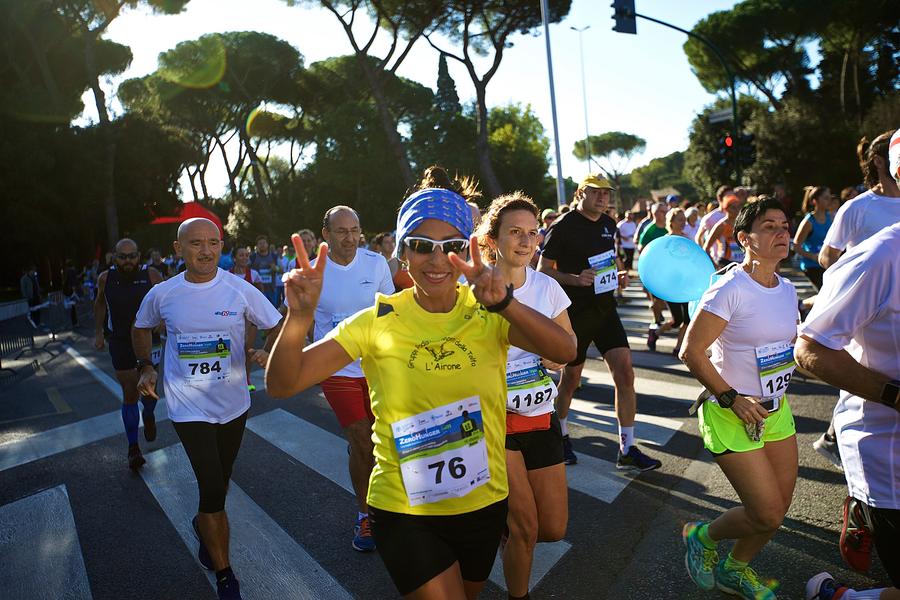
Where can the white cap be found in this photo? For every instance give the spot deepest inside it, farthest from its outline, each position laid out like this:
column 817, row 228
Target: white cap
column 894, row 155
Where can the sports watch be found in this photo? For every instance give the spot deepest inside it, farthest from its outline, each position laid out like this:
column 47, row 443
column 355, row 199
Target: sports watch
column 890, row 394
column 140, row 363
column 726, row 399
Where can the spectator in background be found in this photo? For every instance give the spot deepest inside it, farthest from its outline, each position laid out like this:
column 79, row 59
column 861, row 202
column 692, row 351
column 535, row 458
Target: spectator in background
column 656, row 228
column 673, row 201
column 548, row 215
column 31, row 291
column 692, row 222
column 309, row 242
column 71, row 279
column 848, row 194
column 714, row 214
column 265, row 261
column 817, row 206
column 675, row 222
column 385, row 244
column 626, row 229
column 721, row 245
column 780, row 193
column 158, row 263
column 226, row 260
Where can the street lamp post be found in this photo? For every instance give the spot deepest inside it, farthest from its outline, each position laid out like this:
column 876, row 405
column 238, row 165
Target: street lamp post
column 560, row 186
column 587, row 135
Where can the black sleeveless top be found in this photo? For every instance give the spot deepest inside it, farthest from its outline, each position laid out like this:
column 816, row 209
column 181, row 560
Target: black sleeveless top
column 123, row 299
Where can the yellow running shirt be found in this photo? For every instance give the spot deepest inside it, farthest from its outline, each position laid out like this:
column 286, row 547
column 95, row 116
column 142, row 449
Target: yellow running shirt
column 437, row 382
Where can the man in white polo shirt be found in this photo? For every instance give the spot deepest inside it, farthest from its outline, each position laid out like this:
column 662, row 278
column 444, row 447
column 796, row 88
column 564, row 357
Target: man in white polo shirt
column 850, row 339
column 204, row 309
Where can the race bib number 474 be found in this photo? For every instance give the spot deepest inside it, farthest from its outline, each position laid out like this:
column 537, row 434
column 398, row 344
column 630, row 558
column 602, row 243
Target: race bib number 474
column 442, row 452
column 205, row 358
column 606, row 279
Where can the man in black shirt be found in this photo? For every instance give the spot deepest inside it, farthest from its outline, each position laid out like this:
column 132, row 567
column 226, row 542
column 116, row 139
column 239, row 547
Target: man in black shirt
column 579, row 253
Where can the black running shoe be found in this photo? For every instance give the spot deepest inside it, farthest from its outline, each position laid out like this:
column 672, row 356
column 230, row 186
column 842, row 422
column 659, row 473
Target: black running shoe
column 570, row 458
column 135, row 458
column 636, row 460
column 228, row 588
column 203, row 554
column 149, row 426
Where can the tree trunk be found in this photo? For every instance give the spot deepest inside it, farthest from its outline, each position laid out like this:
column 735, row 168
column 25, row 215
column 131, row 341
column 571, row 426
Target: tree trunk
column 395, row 142
column 107, row 172
column 482, row 148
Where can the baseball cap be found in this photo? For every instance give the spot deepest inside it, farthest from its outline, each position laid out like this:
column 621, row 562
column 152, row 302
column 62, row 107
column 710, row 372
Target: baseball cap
column 728, row 200
column 672, row 198
column 548, row 212
column 596, row 181
column 894, row 155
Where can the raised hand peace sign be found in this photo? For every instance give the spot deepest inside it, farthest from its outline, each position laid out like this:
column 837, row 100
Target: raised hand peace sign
column 488, row 283
column 303, row 286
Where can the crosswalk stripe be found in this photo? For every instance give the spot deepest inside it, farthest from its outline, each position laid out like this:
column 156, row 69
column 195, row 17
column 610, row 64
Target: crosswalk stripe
column 105, row 380
column 649, row 428
column 316, row 448
column 39, row 549
column 649, row 387
column 546, row 555
column 326, row 454
column 597, row 478
column 266, row 559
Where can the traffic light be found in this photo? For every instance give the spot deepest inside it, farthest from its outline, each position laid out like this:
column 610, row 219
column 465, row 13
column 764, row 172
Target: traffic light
column 725, row 150
column 747, row 154
column 624, row 16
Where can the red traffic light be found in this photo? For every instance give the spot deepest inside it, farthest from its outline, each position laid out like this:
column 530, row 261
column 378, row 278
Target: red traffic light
column 729, row 141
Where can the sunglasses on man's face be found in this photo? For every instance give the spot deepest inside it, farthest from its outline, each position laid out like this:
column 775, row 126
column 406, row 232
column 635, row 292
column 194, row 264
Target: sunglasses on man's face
column 127, row 256
column 421, row 245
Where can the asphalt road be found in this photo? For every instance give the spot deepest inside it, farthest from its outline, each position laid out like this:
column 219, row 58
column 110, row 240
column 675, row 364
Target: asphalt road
column 74, row 520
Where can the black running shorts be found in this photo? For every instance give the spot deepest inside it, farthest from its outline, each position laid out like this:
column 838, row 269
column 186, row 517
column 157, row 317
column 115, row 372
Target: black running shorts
column 886, row 531
column 541, row 448
column 599, row 325
column 122, row 354
column 416, row 549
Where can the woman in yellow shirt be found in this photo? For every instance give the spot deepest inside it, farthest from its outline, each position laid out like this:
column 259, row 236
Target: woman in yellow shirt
column 434, row 356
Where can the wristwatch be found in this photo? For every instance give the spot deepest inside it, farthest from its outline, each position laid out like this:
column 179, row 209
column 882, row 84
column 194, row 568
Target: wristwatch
column 890, row 394
column 141, row 363
column 726, row 399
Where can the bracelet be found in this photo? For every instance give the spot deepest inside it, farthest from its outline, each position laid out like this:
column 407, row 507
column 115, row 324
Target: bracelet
column 503, row 303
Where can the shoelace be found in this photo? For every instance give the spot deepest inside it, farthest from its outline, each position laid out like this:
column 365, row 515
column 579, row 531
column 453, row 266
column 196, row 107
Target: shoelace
column 365, row 529
column 710, row 559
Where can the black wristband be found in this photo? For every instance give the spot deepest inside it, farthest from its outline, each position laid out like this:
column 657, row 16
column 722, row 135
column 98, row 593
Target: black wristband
column 142, row 362
column 503, row 303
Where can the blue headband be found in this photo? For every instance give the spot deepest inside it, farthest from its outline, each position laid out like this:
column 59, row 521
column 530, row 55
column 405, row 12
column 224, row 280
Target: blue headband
column 433, row 203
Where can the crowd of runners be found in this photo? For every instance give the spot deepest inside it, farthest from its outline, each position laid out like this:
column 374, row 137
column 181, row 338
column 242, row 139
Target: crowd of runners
column 450, row 350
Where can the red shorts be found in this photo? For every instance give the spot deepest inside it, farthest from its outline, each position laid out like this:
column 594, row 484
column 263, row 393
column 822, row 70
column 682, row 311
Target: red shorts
column 349, row 399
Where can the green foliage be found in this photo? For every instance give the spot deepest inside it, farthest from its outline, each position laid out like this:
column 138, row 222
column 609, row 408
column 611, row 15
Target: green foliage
column 667, row 171
column 519, row 149
column 613, row 150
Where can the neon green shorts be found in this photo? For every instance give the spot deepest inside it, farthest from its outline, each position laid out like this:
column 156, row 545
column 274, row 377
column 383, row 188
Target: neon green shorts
column 722, row 430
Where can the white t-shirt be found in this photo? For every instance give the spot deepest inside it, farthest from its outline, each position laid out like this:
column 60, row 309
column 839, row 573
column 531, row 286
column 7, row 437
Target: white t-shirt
column 858, row 310
column 626, row 232
column 861, row 218
column 254, row 276
column 543, row 294
column 204, row 377
column 708, row 222
column 757, row 317
column 346, row 290
column 691, row 230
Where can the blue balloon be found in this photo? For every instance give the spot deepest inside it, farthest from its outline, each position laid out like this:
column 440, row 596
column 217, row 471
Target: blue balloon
column 675, row 269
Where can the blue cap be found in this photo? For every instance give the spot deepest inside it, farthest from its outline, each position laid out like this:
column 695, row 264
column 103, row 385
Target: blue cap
column 671, row 198
column 433, row 203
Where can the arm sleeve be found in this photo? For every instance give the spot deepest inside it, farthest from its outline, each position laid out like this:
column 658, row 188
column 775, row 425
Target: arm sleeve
column 259, row 310
column 855, row 291
column 386, row 282
column 148, row 314
column 842, row 228
column 353, row 332
column 720, row 300
column 558, row 298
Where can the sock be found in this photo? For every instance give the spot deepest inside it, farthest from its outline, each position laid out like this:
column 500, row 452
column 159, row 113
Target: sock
column 131, row 419
column 703, row 536
column 225, row 573
column 564, row 426
column 149, row 405
column 360, row 516
column 733, row 564
column 626, row 438
column 862, row 594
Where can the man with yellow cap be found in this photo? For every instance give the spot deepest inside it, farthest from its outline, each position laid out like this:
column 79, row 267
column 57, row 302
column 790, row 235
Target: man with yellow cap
column 580, row 253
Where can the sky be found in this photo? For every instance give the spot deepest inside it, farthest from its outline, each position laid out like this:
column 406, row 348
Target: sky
column 640, row 84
